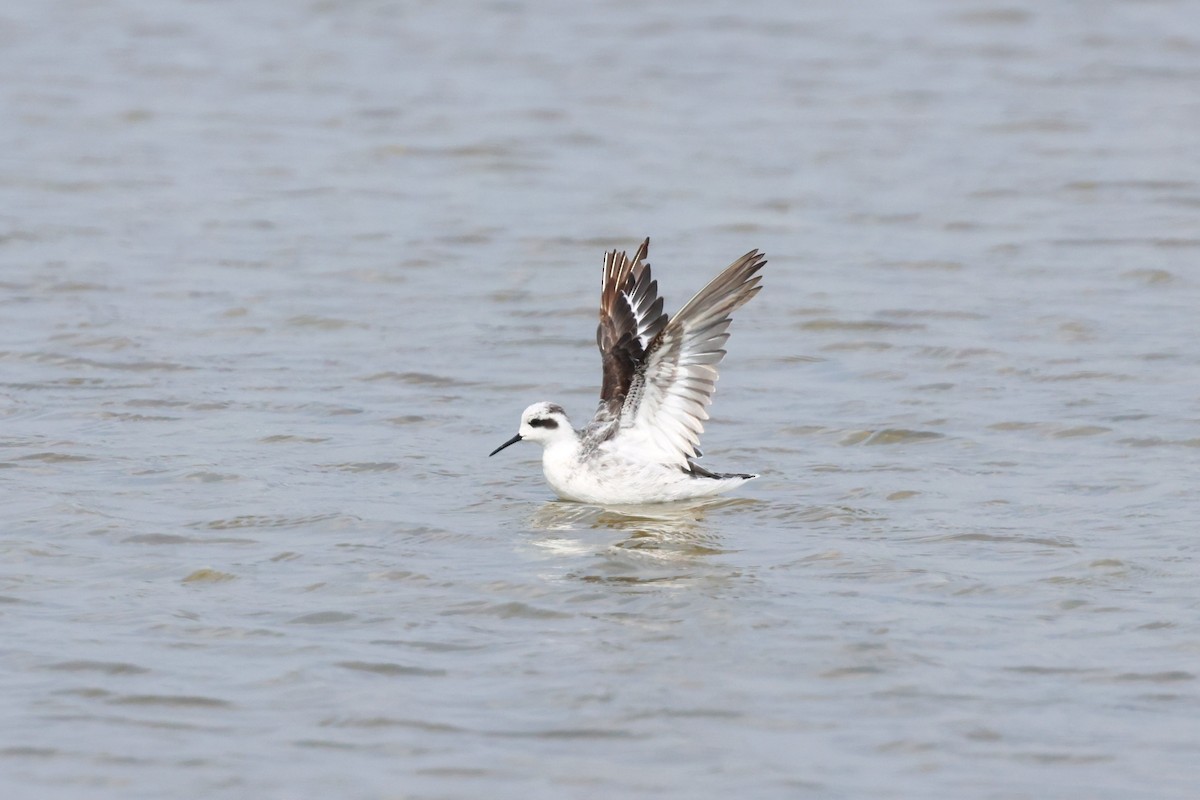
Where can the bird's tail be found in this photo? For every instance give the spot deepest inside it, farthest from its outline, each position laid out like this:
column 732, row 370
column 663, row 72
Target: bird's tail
column 701, row 472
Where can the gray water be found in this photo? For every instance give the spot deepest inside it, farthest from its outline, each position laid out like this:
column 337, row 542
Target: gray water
column 275, row 277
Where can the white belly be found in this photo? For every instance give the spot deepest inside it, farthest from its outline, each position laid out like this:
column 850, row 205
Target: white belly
column 606, row 479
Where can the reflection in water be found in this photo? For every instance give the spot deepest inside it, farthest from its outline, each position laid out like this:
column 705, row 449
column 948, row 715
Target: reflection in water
column 667, row 530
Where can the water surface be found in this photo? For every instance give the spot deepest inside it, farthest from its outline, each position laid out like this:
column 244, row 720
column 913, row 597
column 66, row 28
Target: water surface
column 274, row 278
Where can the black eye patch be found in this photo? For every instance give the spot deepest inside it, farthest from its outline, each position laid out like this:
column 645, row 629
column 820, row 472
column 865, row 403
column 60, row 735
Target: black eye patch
column 549, row 424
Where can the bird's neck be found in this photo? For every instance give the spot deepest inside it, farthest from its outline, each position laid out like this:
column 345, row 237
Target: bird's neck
column 562, row 448
column 560, row 463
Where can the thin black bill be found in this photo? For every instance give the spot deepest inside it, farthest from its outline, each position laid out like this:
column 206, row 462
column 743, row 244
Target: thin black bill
column 513, row 440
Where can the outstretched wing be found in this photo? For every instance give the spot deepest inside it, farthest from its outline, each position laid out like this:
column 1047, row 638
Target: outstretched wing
column 631, row 316
column 664, row 409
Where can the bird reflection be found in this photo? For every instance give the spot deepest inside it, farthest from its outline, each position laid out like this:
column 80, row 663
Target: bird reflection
column 666, row 530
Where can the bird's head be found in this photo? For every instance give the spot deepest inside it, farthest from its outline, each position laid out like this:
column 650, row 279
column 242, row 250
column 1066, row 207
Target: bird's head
column 543, row 423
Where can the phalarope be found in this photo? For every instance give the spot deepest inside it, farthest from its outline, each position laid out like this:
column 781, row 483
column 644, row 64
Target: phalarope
column 659, row 374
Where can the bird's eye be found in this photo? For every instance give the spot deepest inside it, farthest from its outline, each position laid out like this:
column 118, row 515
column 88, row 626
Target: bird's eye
column 543, row 423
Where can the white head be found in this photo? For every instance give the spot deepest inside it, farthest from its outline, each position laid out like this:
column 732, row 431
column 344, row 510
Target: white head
column 544, row 423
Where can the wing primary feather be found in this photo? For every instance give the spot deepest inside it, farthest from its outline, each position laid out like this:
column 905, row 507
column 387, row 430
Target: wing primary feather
column 631, row 317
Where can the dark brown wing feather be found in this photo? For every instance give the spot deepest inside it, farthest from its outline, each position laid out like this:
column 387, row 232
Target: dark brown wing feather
column 631, row 316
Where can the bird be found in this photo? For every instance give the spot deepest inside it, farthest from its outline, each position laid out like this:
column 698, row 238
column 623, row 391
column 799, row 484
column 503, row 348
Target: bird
column 659, row 375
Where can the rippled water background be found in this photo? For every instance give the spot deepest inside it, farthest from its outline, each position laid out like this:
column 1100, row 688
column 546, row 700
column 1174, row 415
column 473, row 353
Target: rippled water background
column 275, row 277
